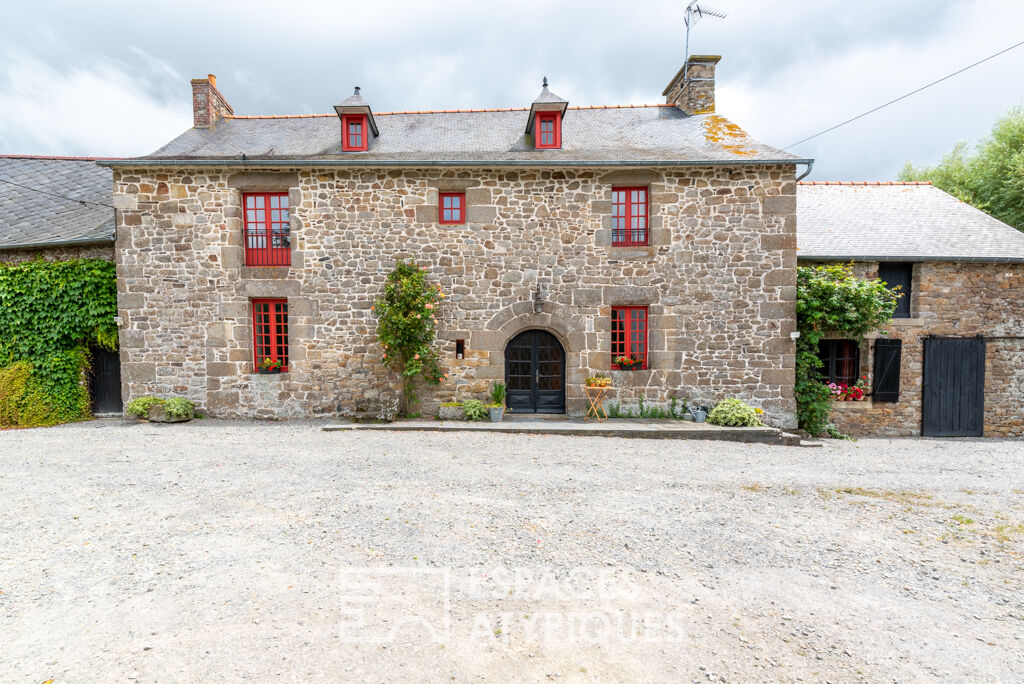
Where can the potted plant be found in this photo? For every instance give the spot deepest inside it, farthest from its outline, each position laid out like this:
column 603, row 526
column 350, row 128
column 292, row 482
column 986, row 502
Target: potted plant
column 629, row 362
column 268, row 366
column 497, row 409
column 857, row 391
column 599, row 381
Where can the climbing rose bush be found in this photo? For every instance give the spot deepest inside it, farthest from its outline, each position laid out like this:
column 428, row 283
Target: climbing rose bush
column 407, row 328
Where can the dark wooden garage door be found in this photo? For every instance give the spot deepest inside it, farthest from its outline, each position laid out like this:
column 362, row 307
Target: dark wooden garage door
column 535, row 373
column 954, row 387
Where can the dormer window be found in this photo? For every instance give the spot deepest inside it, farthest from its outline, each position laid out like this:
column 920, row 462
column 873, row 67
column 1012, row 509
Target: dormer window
column 545, row 120
column 357, row 124
column 548, row 130
column 354, row 136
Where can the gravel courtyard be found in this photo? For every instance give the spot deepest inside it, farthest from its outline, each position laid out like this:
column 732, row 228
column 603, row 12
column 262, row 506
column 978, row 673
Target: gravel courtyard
column 223, row 551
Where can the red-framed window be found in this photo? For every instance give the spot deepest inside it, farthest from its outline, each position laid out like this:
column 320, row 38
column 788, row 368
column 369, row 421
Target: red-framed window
column 547, row 130
column 629, row 333
column 354, row 136
column 629, row 217
column 451, row 207
column 270, row 331
column 267, row 229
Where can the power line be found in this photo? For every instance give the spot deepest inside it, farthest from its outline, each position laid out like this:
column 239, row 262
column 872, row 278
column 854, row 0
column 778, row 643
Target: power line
column 903, row 97
column 54, row 194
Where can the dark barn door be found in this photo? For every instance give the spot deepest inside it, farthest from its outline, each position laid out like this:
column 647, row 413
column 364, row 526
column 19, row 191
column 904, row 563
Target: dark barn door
column 105, row 382
column 954, row 387
column 535, row 373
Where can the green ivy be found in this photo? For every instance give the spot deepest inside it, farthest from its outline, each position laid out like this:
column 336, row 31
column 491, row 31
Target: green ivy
column 407, row 327
column 52, row 312
column 831, row 302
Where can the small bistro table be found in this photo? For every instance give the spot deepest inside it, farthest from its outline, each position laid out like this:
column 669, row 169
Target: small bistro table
column 596, row 395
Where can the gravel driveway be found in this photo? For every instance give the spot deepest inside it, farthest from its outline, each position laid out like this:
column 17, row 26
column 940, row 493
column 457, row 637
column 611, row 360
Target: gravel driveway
column 219, row 551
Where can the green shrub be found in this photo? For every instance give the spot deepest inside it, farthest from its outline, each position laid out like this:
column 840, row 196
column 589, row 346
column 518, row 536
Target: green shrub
column 498, row 393
column 734, row 412
column 14, row 382
column 179, row 407
column 473, row 409
column 140, row 406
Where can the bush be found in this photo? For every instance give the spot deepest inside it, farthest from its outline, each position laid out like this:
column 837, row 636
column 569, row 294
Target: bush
column 179, row 407
column 735, row 413
column 474, row 409
column 140, row 406
column 14, row 381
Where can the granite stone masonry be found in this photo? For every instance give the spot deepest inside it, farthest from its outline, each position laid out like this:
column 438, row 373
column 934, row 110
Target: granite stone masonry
column 950, row 299
column 718, row 278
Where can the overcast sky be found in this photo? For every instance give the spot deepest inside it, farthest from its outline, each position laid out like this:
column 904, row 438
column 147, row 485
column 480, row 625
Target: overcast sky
column 108, row 78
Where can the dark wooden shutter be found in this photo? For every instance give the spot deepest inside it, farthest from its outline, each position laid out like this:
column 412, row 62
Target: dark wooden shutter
column 900, row 275
column 886, row 386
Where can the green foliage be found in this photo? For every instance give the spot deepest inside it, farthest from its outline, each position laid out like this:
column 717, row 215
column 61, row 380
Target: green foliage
column 990, row 177
column 831, row 301
column 14, row 382
column 179, row 407
column 407, row 326
column 474, row 409
column 734, row 412
column 52, row 311
column 140, row 405
column 498, row 393
column 645, row 410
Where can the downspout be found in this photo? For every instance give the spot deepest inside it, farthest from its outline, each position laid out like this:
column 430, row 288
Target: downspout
column 810, row 165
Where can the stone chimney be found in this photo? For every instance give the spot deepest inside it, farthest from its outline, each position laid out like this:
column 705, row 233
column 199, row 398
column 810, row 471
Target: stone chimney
column 693, row 88
column 208, row 104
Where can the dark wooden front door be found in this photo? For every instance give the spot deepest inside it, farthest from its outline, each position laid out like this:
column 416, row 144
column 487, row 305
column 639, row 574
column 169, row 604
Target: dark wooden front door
column 105, row 382
column 953, row 404
column 535, row 373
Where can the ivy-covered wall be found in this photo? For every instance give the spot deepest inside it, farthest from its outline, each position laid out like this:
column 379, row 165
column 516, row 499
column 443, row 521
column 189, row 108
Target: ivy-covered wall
column 50, row 312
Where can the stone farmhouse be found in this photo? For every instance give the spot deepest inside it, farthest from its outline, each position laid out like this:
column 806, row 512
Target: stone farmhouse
column 952, row 363
column 563, row 236
column 59, row 208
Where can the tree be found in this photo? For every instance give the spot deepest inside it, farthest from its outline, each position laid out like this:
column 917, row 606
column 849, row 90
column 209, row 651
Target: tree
column 406, row 327
column 989, row 177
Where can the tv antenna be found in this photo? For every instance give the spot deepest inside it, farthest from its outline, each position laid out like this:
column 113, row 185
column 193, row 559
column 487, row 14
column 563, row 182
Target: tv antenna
column 694, row 13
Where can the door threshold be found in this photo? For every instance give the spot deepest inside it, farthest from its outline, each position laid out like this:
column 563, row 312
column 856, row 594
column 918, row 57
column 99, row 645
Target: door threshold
column 536, row 416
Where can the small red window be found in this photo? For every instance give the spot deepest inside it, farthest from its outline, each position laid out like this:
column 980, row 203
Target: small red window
column 270, row 331
column 629, row 217
column 548, row 130
column 353, row 133
column 629, row 334
column 267, row 229
column 451, row 207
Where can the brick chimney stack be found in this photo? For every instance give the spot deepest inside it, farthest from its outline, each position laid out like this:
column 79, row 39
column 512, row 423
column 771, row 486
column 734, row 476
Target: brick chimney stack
column 693, row 87
column 208, row 104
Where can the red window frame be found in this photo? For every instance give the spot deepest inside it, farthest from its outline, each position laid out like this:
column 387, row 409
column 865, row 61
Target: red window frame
column 629, row 323
column 547, row 130
column 630, row 217
column 455, row 212
column 270, row 331
column 267, row 229
column 355, row 137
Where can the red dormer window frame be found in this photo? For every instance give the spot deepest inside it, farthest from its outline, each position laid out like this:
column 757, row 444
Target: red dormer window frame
column 547, row 131
column 354, row 140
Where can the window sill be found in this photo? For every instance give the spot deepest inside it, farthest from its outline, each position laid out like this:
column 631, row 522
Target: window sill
column 265, row 272
column 853, row 405
column 906, row 322
column 635, row 253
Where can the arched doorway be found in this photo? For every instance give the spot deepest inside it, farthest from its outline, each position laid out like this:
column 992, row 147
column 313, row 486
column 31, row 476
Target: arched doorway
column 535, row 373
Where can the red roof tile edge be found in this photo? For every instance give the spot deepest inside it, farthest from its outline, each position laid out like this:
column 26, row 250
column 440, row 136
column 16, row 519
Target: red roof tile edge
column 440, row 111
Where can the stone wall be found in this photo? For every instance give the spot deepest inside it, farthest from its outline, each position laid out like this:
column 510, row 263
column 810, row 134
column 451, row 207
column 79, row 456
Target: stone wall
column 64, row 253
column 719, row 280
column 950, row 299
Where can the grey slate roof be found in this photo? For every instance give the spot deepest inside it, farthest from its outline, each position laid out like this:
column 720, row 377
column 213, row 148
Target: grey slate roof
column 39, row 214
column 897, row 222
column 654, row 135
